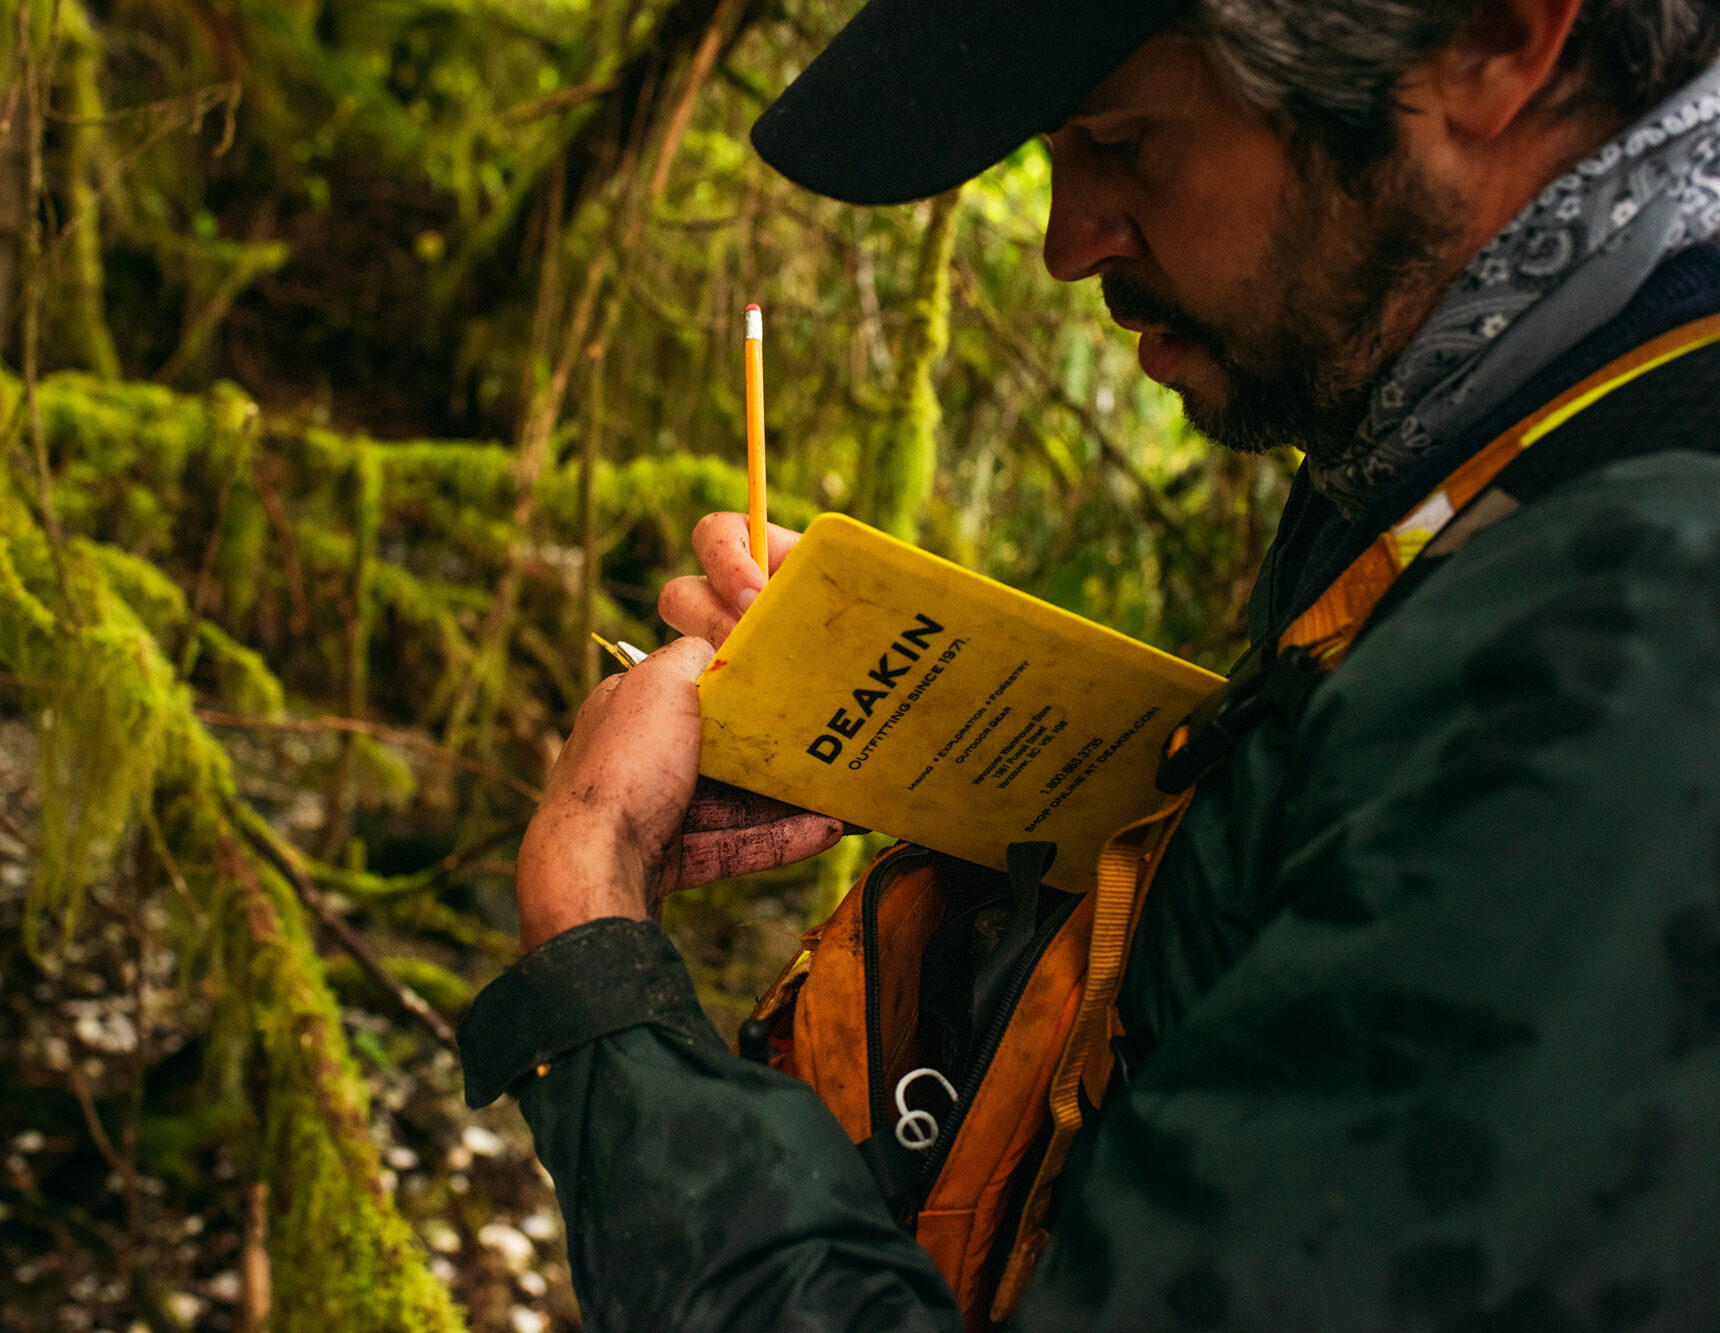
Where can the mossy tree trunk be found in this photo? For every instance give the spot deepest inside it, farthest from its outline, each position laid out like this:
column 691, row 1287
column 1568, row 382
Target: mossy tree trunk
column 901, row 465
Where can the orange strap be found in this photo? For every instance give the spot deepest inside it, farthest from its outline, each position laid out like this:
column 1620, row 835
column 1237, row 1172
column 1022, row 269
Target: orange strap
column 1126, row 866
column 1327, row 628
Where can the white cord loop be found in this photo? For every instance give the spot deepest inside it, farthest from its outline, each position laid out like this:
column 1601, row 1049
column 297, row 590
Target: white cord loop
column 918, row 1130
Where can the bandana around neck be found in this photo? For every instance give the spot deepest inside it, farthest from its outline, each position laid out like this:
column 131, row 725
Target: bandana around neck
column 1565, row 265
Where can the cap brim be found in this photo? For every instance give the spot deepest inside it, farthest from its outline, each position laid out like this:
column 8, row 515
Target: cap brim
column 914, row 97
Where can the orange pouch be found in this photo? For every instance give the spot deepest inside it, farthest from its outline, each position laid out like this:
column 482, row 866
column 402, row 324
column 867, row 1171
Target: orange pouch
column 937, row 977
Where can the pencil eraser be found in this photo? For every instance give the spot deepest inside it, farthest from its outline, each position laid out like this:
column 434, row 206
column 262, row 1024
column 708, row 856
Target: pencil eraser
column 755, row 322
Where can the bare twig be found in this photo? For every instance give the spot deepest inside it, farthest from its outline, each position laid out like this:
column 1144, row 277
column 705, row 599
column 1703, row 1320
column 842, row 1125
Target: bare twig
column 207, row 97
column 455, row 862
column 35, row 99
column 169, row 863
column 93, row 1121
column 174, row 114
column 561, row 100
column 12, row 831
column 254, row 1270
column 264, row 475
column 697, row 72
column 392, row 735
column 285, row 860
column 1049, row 383
column 141, row 949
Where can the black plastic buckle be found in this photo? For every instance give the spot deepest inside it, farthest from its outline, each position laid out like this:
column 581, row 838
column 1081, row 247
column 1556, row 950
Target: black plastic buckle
column 1263, row 680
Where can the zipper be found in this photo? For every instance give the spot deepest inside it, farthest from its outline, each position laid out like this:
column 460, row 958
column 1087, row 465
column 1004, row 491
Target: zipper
column 980, row 1062
column 871, row 889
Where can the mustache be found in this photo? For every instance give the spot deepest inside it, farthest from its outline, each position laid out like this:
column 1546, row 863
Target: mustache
column 1129, row 300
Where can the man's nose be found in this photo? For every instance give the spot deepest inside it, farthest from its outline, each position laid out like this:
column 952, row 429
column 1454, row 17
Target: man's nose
column 1090, row 224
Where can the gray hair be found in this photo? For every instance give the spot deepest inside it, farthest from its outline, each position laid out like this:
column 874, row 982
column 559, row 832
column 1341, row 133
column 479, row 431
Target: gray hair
column 1332, row 68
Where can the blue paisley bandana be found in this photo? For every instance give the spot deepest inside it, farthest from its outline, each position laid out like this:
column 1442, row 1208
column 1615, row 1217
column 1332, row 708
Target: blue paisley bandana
column 1565, row 265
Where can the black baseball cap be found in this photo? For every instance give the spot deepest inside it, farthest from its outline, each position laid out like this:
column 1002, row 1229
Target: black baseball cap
column 914, row 97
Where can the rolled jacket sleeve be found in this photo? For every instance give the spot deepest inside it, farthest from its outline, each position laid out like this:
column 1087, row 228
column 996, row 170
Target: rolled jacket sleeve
column 582, row 985
column 701, row 1191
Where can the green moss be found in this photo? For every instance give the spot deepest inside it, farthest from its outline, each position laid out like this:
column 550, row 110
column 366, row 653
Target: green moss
column 373, row 565
column 244, row 682
column 901, row 466
column 444, row 991
column 119, row 739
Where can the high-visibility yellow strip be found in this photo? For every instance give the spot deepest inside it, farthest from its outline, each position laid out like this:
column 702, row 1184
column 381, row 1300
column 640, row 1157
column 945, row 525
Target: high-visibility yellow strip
column 1556, row 419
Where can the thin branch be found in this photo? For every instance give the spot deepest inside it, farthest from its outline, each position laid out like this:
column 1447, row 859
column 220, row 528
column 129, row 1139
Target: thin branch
column 392, row 735
column 455, row 862
column 697, row 72
column 93, row 1121
column 208, row 97
column 184, row 112
column 1109, row 449
column 284, row 860
column 264, row 474
column 12, row 831
column 254, row 1269
column 539, row 107
column 35, row 99
column 164, row 854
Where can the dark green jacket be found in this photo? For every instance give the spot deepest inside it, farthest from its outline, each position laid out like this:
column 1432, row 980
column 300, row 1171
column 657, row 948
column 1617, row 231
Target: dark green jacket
column 1423, row 1016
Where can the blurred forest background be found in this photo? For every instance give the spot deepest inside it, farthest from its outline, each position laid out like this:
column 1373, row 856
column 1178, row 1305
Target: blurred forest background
column 357, row 358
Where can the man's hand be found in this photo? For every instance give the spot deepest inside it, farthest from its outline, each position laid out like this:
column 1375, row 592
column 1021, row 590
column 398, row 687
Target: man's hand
column 708, row 607
column 626, row 820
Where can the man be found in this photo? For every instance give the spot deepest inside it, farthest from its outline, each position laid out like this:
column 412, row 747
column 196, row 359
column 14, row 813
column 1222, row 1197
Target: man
column 1422, row 1018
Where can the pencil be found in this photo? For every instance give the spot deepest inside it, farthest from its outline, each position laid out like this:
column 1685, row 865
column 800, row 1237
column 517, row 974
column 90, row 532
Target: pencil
column 623, row 652
column 757, row 541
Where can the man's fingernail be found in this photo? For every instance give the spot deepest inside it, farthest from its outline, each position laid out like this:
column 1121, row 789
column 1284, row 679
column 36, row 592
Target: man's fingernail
column 746, row 597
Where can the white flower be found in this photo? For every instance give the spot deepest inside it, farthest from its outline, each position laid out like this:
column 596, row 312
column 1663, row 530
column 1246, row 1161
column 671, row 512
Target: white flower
column 1492, row 326
column 1495, row 271
column 1623, row 211
column 1569, row 209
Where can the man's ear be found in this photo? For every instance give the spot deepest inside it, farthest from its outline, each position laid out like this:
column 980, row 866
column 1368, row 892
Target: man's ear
column 1500, row 62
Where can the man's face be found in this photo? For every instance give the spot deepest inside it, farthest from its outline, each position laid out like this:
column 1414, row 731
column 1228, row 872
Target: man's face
column 1266, row 294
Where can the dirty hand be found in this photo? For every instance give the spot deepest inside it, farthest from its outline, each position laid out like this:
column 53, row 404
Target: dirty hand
column 626, row 820
column 709, row 606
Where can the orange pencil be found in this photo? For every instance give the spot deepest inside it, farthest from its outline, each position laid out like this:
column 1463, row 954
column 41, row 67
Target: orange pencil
column 757, row 541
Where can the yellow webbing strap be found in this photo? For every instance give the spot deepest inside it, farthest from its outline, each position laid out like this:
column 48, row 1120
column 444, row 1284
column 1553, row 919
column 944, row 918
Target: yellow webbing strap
column 1126, row 865
column 1329, row 626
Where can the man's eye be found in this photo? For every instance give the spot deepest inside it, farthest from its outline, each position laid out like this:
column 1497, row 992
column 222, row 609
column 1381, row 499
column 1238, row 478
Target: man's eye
column 1125, row 145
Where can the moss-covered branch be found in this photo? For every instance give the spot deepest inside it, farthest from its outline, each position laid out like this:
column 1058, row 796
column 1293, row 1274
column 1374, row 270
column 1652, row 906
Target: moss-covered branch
column 902, row 463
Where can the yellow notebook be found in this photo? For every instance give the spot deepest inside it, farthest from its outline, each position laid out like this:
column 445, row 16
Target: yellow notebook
column 892, row 689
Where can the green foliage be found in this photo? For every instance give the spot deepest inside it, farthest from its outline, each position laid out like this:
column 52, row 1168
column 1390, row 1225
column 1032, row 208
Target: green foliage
column 120, row 741
column 338, row 293
column 900, row 470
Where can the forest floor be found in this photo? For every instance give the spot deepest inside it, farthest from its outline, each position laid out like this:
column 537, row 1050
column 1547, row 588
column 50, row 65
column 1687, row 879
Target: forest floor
column 143, row 1229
